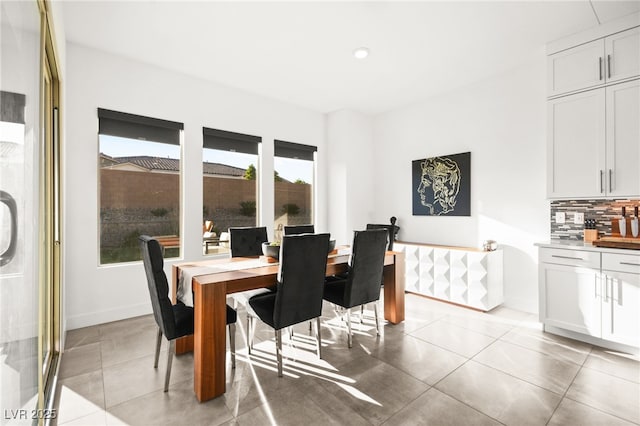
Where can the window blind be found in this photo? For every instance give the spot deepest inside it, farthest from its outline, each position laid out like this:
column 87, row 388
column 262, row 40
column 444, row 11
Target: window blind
column 230, row 141
column 121, row 124
column 294, row 150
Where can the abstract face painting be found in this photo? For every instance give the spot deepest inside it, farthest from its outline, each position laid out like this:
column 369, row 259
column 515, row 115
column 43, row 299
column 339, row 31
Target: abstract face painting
column 441, row 185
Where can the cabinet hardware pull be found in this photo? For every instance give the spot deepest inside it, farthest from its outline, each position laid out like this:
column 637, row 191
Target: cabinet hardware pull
column 566, row 257
column 606, row 290
column 595, row 286
column 600, row 67
column 601, row 184
column 610, row 180
column 608, row 66
column 630, row 263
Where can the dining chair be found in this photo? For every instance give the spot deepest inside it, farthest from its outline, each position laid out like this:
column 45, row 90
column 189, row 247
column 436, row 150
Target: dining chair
column 299, row 288
column 361, row 285
column 299, row 229
column 247, row 241
column 173, row 320
column 391, row 232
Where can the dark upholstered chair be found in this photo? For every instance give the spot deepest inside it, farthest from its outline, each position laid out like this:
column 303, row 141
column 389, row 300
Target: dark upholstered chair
column 298, row 298
column 390, row 232
column 247, row 241
column 173, row 320
column 362, row 282
column 299, row 229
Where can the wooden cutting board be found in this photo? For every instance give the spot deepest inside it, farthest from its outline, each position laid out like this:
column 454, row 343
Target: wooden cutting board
column 618, row 242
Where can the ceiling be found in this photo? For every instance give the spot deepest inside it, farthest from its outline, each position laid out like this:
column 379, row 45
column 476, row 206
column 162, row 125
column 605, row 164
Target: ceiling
column 301, row 52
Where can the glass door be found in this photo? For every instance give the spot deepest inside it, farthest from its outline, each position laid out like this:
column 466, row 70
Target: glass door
column 50, row 218
column 29, row 212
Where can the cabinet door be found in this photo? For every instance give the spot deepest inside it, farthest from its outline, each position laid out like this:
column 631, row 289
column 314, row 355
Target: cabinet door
column 570, row 298
column 578, row 68
column 623, row 139
column 575, row 145
column 621, row 308
column 623, row 55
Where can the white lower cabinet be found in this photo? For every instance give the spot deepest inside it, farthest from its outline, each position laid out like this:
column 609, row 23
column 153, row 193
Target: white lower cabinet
column 571, row 298
column 591, row 293
column 465, row 276
column 621, row 299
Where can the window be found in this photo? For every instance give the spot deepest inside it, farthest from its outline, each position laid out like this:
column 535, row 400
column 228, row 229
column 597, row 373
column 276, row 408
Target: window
column 139, row 184
column 293, row 198
column 229, row 195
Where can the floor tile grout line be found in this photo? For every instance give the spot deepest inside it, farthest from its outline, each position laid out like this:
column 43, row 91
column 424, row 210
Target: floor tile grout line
column 460, row 401
column 569, row 387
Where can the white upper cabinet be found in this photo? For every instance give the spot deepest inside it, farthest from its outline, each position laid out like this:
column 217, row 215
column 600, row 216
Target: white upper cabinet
column 593, row 143
column 606, row 60
column 593, row 119
column 623, row 55
column 578, row 68
column 623, row 139
column 576, row 145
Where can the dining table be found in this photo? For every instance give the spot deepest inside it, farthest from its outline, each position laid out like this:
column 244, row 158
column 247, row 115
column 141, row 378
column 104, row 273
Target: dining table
column 212, row 280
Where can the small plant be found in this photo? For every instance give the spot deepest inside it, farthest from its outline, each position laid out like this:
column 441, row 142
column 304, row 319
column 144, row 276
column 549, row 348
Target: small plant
column 291, row 209
column 248, row 208
column 159, row 212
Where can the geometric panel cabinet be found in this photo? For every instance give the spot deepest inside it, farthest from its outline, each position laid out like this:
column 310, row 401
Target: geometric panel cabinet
column 464, row 276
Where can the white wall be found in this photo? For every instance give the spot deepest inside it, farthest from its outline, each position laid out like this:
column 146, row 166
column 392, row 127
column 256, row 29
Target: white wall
column 95, row 79
column 502, row 122
column 351, row 173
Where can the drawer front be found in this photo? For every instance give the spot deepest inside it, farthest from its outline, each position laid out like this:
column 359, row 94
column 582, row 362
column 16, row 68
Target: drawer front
column 621, row 262
column 581, row 258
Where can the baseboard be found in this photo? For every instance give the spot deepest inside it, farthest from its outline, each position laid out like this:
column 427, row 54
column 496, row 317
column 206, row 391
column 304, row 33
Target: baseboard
column 592, row 340
column 101, row 317
column 521, row 304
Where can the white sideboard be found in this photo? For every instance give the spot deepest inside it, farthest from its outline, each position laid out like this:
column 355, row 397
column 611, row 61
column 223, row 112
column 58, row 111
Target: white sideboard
column 461, row 275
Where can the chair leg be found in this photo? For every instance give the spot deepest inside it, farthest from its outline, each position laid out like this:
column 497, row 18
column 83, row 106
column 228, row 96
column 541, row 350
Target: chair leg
column 361, row 314
column 318, row 337
column 172, row 347
column 290, row 332
column 350, row 335
column 249, row 334
column 158, row 343
column 232, row 344
column 279, row 351
column 375, row 312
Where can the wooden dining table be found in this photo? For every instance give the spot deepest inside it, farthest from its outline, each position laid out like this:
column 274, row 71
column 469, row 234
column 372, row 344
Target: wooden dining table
column 210, row 291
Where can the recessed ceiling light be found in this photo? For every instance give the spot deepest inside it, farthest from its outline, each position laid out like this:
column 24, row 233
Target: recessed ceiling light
column 361, row 53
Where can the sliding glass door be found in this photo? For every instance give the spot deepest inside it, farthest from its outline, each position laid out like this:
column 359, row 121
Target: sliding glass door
column 29, row 211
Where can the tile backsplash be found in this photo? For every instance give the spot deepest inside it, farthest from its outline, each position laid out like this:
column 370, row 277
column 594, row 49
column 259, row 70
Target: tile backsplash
column 600, row 210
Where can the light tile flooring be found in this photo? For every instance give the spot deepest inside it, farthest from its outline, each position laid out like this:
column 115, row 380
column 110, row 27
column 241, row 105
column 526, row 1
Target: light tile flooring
column 444, row 365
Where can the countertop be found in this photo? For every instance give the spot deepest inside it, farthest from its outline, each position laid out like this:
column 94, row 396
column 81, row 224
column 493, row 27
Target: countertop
column 581, row 245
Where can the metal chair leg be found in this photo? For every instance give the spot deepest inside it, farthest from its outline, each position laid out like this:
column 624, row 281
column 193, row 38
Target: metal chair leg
column 361, row 314
column 232, row 344
column 172, row 347
column 375, row 312
column 279, row 351
column 318, row 337
column 350, row 336
column 158, row 343
column 249, row 334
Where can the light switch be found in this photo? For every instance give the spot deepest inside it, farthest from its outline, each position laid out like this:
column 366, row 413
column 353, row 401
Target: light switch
column 560, row 217
column 578, row 218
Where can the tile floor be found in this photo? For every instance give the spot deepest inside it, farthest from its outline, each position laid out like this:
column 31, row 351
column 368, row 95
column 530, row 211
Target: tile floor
column 444, row 365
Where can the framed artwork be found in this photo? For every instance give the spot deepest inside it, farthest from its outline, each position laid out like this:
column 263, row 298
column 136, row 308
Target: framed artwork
column 441, row 186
